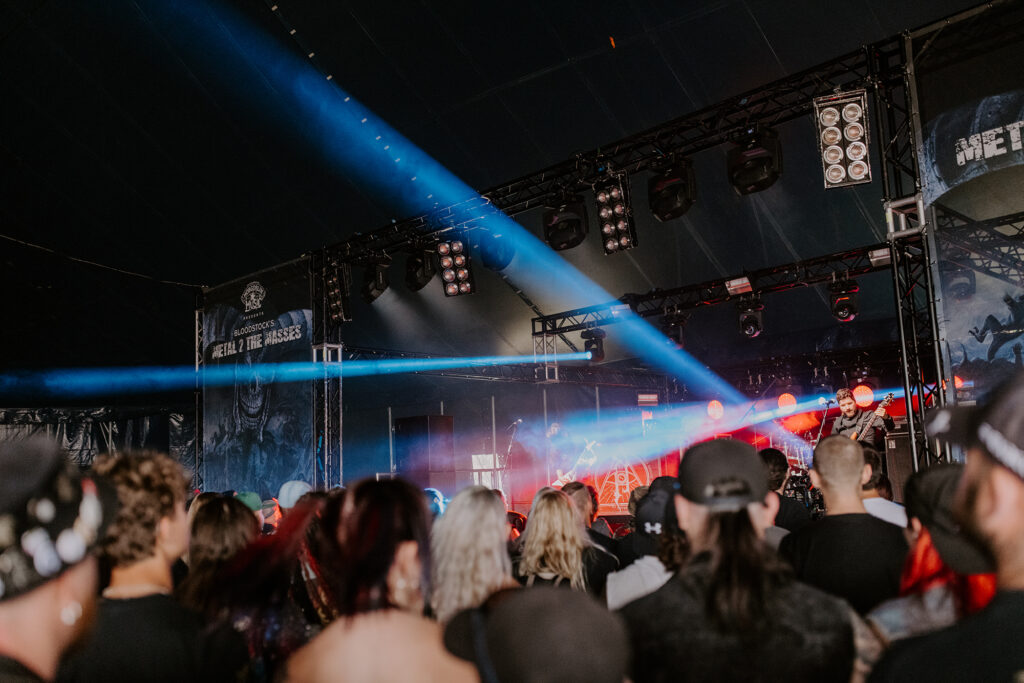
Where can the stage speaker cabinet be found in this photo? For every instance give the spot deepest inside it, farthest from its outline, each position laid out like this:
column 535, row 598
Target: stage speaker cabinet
column 425, row 451
column 899, row 463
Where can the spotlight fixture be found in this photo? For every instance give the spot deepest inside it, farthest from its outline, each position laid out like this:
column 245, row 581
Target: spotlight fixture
column 375, row 281
column 338, row 288
column 672, row 190
column 615, row 215
column 754, row 162
column 843, row 298
column 565, row 225
column 593, row 341
column 456, row 274
column 673, row 325
column 863, row 395
column 419, row 270
column 842, row 126
column 751, row 317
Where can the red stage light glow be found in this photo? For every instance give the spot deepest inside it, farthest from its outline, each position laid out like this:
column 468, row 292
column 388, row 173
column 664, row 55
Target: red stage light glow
column 958, row 382
column 715, row 410
column 787, row 400
column 863, row 395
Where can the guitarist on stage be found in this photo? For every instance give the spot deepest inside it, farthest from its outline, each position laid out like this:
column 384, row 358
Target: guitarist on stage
column 852, row 416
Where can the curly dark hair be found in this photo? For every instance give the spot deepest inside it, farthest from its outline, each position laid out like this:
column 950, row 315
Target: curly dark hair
column 149, row 486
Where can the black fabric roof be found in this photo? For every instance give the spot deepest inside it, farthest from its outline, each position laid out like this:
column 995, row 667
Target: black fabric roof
column 118, row 147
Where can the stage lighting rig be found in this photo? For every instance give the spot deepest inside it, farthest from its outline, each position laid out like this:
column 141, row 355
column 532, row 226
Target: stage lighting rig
column 843, row 298
column 842, row 125
column 456, row 273
column 495, row 250
column 593, row 341
column 754, row 162
column 338, row 289
column 614, row 214
column 376, row 280
column 751, row 317
column 565, row 224
column 672, row 190
column 673, row 325
column 419, row 269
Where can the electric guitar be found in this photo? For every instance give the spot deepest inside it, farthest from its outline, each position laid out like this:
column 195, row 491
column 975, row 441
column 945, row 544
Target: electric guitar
column 865, row 420
column 586, row 460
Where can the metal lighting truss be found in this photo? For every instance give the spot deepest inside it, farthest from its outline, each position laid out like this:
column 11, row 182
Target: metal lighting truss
column 764, row 281
column 327, row 422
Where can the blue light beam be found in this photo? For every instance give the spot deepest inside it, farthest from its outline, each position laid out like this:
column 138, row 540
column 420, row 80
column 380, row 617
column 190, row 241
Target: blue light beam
column 77, row 382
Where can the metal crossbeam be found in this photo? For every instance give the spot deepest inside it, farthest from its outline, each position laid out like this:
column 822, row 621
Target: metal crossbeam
column 849, row 263
column 783, row 100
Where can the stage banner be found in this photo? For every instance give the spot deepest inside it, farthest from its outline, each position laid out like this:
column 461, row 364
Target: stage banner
column 970, row 141
column 258, row 433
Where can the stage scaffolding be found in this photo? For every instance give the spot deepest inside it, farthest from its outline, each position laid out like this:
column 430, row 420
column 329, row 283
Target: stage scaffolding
column 887, row 70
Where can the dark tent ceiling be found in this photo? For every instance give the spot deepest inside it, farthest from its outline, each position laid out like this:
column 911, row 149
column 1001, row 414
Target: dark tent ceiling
column 121, row 146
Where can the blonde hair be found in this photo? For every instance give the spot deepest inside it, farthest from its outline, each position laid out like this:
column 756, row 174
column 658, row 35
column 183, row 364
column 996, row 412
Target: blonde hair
column 554, row 539
column 470, row 556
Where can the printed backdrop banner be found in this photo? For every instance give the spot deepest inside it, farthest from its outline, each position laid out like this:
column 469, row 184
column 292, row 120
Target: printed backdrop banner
column 258, row 434
column 970, row 141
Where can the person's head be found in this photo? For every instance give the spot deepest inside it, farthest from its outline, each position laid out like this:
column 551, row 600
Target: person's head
column 542, row 634
column 435, row 502
column 151, row 520
column 221, row 528
column 290, row 493
column 847, row 404
column 929, row 498
column 554, row 538
column 777, row 465
column 501, row 496
column 252, row 500
column 884, row 488
column 839, row 469
column 724, row 505
column 635, row 496
column 873, row 460
column 655, row 517
column 990, row 496
column 468, row 547
column 51, row 518
column 383, row 544
column 581, row 498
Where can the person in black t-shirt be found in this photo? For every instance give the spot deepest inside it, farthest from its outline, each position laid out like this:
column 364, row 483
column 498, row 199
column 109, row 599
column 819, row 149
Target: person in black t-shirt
column 846, row 424
column 142, row 633
column 990, row 507
column 792, row 513
column 849, row 553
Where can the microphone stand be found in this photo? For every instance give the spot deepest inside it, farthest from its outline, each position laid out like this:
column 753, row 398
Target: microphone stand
column 823, row 416
column 508, row 451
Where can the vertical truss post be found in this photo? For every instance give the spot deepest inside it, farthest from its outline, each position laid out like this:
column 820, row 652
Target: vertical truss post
column 545, row 348
column 199, row 469
column 913, row 265
column 327, row 454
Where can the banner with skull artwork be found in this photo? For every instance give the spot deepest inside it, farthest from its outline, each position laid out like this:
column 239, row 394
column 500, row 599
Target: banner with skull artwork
column 258, row 433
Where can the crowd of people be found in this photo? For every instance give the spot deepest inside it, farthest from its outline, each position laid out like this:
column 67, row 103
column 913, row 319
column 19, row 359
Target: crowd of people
column 118, row 574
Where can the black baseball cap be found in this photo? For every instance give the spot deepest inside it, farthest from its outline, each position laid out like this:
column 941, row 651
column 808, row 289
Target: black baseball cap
column 724, row 474
column 996, row 425
column 928, row 496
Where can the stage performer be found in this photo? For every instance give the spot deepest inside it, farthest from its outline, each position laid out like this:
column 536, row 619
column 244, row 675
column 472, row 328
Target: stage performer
column 846, row 424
